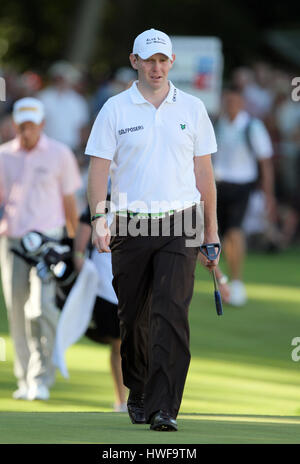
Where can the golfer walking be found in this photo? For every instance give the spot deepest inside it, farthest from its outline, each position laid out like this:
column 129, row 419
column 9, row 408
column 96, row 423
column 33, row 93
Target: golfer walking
column 38, row 180
column 156, row 142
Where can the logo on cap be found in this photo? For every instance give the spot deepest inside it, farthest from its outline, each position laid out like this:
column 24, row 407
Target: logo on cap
column 160, row 40
column 27, row 108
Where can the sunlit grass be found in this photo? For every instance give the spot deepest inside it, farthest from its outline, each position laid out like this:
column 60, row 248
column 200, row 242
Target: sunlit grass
column 241, row 371
column 256, row 291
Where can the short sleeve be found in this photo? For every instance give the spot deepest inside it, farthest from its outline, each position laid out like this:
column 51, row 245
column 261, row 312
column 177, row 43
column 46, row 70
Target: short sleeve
column 102, row 140
column 70, row 174
column 205, row 139
column 260, row 139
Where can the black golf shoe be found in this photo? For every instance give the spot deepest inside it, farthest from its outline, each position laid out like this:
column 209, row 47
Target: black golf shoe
column 162, row 421
column 135, row 407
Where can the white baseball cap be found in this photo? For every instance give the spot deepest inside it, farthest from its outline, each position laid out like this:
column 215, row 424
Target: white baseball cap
column 150, row 42
column 66, row 71
column 28, row 109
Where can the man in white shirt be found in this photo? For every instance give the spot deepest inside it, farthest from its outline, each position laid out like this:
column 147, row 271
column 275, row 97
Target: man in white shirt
column 245, row 150
column 67, row 111
column 155, row 141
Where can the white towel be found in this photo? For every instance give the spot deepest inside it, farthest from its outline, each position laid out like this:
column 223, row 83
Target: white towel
column 103, row 264
column 76, row 313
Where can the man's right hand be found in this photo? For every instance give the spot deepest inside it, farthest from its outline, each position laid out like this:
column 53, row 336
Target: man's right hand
column 101, row 235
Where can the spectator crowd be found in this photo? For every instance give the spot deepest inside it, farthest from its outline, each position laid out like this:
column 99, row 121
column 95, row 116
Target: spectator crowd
column 70, row 106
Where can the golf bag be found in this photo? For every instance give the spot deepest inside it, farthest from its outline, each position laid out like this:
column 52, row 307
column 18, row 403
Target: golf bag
column 52, row 258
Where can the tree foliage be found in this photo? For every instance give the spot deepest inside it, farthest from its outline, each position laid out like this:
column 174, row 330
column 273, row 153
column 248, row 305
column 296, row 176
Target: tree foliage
column 34, row 33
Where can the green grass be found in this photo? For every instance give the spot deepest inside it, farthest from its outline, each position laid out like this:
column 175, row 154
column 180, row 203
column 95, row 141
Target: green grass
column 242, row 386
column 101, row 427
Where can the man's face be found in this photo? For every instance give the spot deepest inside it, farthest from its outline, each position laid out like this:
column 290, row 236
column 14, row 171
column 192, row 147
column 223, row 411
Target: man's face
column 152, row 72
column 233, row 103
column 29, row 134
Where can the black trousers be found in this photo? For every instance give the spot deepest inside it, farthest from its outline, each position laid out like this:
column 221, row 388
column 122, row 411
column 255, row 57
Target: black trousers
column 154, row 280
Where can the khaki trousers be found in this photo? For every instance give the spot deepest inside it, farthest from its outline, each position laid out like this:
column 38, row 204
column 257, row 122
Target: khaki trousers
column 32, row 317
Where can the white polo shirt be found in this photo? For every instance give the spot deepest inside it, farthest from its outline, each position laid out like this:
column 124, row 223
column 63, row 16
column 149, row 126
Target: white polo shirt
column 152, row 149
column 234, row 161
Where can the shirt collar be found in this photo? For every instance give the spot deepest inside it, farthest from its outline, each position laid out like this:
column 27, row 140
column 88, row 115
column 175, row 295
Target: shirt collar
column 137, row 98
column 172, row 95
column 240, row 120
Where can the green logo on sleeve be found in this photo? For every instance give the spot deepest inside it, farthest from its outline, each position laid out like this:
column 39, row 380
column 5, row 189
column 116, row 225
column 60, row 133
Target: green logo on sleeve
column 183, row 126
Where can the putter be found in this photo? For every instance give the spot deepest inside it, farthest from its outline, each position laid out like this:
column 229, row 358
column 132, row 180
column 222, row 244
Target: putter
column 208, row 250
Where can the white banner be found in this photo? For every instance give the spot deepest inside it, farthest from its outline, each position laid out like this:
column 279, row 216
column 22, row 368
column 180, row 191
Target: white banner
column 198, row 69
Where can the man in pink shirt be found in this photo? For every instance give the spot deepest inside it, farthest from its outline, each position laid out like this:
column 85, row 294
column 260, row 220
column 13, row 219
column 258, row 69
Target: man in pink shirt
column 38, row 180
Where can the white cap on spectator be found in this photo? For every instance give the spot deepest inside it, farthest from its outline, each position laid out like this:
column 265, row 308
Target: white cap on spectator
column 150, row 42
column 28, row 109
column 66, row 71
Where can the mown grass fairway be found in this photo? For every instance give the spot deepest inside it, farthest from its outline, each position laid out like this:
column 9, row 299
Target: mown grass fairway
column 242, row 386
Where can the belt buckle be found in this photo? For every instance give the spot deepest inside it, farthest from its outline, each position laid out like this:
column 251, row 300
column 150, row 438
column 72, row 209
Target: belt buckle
column 161, row 215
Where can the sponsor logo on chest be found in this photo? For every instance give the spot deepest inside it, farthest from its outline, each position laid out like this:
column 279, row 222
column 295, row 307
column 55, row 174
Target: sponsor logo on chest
column 130, row 129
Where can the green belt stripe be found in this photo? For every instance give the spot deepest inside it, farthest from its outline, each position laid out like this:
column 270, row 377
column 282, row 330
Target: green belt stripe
column 143, row 215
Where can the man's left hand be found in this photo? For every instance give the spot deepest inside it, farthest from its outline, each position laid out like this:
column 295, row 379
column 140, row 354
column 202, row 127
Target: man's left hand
column 210, row 264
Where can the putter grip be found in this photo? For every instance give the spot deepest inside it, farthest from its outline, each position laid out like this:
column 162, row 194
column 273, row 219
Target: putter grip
column 218, row 303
